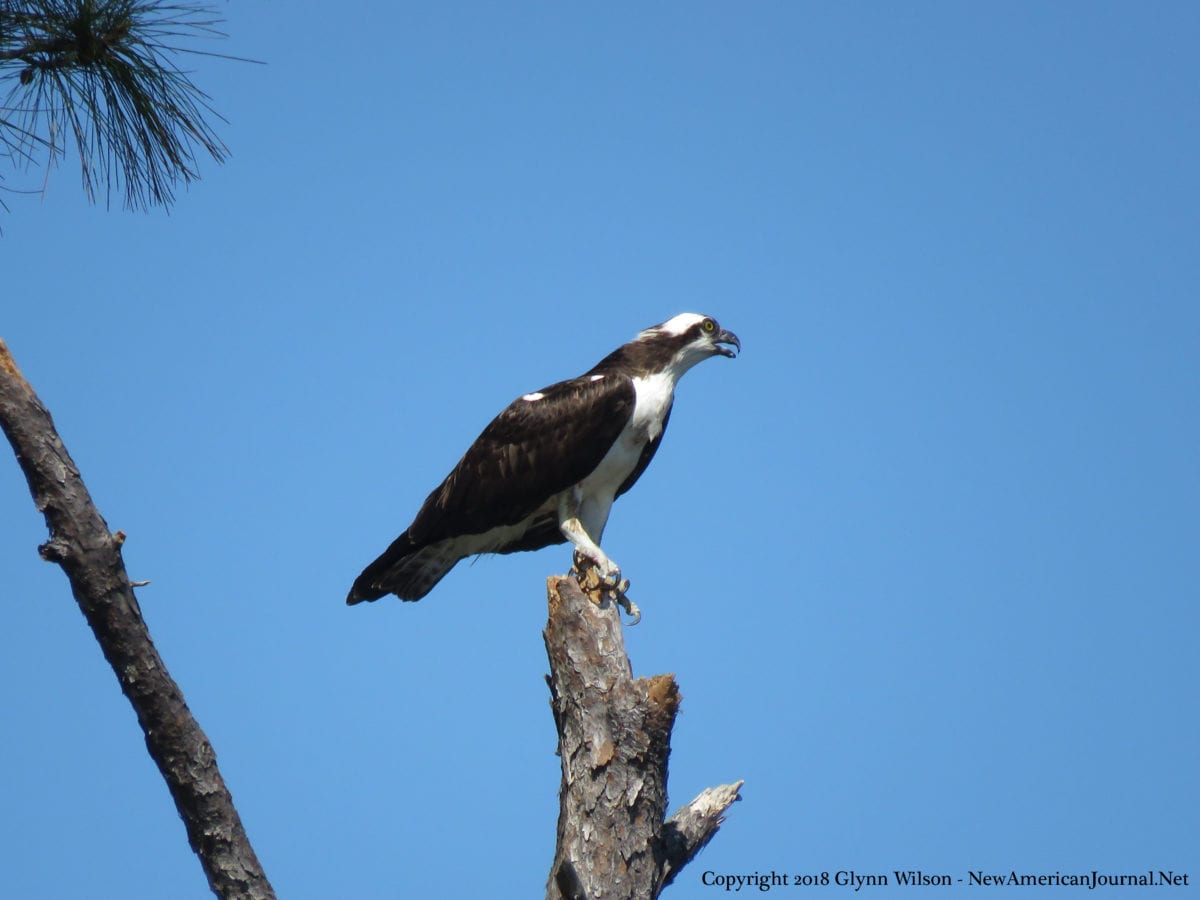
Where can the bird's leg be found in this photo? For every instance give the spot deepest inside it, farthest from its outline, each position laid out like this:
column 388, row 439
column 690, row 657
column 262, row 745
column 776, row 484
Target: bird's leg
column 573, row 530
column 598, row 576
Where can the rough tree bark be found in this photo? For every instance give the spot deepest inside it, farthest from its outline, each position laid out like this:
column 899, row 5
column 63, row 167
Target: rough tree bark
column 614, row 737
column 91, row 557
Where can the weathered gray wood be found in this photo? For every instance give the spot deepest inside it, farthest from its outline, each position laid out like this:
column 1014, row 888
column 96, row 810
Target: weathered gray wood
column 614, row 740
column 91, row 557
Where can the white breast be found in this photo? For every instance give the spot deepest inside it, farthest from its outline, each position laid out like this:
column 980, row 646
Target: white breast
column 654, row 395
column 652, row 400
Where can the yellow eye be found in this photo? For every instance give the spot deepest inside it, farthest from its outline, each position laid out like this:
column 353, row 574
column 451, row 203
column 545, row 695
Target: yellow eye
column 708, row 326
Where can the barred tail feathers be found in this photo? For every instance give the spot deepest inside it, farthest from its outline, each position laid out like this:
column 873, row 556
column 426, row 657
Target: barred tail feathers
column 404, row 569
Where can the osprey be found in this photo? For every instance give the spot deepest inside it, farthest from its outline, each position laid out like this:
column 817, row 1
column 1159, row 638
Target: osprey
column 547, row 469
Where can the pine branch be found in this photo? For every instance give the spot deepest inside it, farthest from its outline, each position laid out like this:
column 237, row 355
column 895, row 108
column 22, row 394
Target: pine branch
column 80, row 542
column 101, row 72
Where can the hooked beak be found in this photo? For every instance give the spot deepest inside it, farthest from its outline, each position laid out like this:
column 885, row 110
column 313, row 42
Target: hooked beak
column 727, row 337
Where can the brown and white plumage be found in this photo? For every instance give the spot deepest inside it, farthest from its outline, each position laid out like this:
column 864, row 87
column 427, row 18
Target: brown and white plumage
column 547, row 469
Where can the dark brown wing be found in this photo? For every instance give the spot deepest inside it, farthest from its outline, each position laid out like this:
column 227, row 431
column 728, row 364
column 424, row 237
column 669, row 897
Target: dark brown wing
column 530, row 452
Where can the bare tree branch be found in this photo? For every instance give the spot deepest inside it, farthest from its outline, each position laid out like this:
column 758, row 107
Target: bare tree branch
column 685, row 833
column 91, row 557
column 614, row 740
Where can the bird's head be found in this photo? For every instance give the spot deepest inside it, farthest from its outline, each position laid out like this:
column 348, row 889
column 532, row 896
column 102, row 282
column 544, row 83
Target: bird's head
column 671, row 347
column 693, row 337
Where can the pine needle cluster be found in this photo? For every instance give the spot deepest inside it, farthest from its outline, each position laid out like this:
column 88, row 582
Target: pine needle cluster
column 101, row 75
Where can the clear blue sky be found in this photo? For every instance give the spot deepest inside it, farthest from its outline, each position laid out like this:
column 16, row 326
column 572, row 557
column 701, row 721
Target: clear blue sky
column 924, row 559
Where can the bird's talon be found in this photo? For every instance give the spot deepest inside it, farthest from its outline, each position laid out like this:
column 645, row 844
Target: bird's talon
column 630, row 608
column 610, row 577
column 600, row 585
